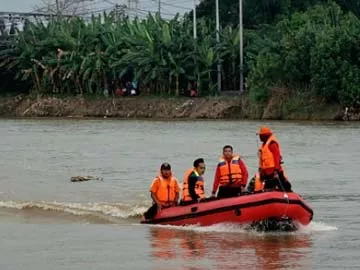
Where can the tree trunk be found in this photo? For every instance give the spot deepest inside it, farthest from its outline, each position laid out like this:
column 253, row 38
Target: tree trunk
column 170, row 82
column 177, row 85
column 37, row 82
column 198, row 83
column 105, row 91
column 209, row 82
column 233, row 75
column 79, row 86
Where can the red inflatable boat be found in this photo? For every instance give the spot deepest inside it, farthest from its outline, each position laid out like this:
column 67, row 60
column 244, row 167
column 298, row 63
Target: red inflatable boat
column 245, row 209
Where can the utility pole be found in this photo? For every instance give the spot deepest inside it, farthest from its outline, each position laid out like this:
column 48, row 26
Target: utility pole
column 218, row 41
column 129, row 1
column 194, row 20
column 159, row 7
column 136, row 8
column 241, row 47
column 57, row 7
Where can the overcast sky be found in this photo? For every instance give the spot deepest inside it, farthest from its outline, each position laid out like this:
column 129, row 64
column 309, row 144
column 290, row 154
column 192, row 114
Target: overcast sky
column 18, row 5
column 168, row 7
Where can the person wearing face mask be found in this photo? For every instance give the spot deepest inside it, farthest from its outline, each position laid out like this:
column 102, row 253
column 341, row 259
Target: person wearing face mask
column 270, row 162
column 164, row 191
column 231, row 175
column 193, row 186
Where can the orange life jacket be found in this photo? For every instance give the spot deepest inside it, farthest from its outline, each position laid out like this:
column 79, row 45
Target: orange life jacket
column 166, row 193
column 259, row 184
column 230, row 173
column 199, row 186
column 266, row 158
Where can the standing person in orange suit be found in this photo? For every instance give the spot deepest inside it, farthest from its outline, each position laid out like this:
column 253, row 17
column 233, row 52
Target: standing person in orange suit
column 270, row 161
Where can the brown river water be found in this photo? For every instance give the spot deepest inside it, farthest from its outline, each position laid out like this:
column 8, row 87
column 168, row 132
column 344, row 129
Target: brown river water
column 48, row 222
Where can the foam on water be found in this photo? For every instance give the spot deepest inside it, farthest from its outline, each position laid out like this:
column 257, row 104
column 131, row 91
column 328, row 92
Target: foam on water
column 317, row 226
column 127, row 211
column 236, row 228
column 119, row 210
column 221, row 227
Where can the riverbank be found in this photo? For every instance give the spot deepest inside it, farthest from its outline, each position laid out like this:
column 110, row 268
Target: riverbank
column 224, row 107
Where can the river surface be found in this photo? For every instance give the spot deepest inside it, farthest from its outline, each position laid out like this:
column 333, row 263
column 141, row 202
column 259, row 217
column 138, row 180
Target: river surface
column 48, row 222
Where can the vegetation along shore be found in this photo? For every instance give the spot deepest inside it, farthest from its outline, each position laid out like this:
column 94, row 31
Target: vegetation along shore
column 301, row 62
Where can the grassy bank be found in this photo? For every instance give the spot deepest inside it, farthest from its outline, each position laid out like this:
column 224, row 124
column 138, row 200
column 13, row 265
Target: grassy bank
column 280, row 106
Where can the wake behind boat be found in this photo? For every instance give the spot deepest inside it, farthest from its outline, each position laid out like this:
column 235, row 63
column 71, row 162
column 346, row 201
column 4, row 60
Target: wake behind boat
column 269, row 210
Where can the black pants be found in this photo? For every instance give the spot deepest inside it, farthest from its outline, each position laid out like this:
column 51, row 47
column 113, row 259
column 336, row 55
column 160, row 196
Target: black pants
column 151, row 212
column 228, row 192
column 281, row 183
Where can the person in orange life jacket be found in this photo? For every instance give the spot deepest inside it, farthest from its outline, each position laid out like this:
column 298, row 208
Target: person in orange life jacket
column 270, row 161
column 255, row 184
column 164, row 191
column 231, row 175
column 193, row 186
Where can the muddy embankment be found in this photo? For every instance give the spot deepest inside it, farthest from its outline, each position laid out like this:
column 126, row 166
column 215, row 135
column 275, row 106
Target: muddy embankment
column 223, row 107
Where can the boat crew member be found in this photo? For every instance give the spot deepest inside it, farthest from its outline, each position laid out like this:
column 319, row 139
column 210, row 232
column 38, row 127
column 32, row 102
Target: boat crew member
column 231, row 175
column 193, row 185
column 164, row 191
column 255, row 184
column 270, row 160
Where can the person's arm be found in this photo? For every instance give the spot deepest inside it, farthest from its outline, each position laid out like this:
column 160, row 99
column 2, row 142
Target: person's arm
column 275, row 150
column 153, row 189
column 153, row 196
column 192, row 182
column 216, row 181
column 177, row 193
column 244, row 171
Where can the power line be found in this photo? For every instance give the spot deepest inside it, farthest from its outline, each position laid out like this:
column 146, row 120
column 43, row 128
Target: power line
column 175, row 6
column 32, row 14
column 170, row 14
column 90, row 7
column 177, row 1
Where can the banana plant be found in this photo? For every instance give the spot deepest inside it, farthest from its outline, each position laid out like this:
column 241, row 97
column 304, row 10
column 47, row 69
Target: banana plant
column 75, row 57
column 229, row 50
